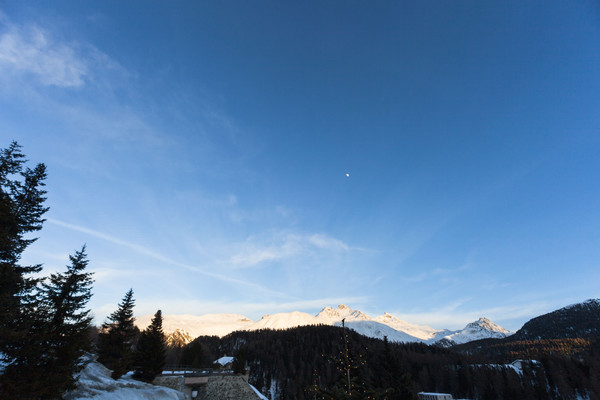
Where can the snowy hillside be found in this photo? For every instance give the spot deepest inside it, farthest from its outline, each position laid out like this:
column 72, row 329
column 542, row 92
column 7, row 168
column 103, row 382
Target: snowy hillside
column 394, row 328
column 95, row 383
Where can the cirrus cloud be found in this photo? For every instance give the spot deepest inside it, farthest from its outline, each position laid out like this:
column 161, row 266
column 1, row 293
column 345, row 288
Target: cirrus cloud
column 31, row 51
column 282, row 245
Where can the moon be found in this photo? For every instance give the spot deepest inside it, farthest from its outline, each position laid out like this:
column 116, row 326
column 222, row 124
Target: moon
column 347, row 175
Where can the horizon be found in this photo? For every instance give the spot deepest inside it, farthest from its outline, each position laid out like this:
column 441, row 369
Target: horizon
column 372, row 316
column 436, row 161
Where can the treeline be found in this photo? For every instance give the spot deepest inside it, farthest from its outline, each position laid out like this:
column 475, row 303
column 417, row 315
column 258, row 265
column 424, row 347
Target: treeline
column 45, row 327
column 502, row 350
column 312, row 363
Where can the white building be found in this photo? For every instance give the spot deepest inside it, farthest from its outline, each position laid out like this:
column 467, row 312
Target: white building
column 434, row 396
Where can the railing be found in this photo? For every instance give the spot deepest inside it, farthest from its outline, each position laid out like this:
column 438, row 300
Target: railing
column 186, row 370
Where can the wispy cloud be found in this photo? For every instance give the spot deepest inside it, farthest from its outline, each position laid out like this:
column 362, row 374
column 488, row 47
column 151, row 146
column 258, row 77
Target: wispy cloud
column 282, row 245
column 37, row 63
column 31, row 51
column 443, row 274
column 327, row 242
column 157, row 256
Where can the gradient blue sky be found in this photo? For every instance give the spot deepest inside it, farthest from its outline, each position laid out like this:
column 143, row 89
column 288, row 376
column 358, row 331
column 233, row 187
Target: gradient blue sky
column 200, row 149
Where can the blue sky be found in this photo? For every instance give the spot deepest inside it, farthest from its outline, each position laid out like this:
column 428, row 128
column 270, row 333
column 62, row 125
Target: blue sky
column 202, row 151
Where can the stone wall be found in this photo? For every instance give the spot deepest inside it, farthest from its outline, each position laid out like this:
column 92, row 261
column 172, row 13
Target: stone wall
column 231, row 387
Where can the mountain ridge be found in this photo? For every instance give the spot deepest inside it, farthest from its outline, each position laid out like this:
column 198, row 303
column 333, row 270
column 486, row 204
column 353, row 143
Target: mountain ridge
column 393, row 328
column 580, row 320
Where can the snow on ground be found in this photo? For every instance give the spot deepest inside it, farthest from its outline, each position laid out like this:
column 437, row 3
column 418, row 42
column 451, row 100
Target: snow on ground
column 95, row 383
column 516, row 365
column 3, row 363
column 259, row 394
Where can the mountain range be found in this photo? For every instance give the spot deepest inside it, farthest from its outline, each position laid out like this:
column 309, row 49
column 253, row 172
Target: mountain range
column 182, row 328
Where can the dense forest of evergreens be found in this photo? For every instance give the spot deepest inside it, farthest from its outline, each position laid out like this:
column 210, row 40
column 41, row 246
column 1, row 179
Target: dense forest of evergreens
column 309, row 362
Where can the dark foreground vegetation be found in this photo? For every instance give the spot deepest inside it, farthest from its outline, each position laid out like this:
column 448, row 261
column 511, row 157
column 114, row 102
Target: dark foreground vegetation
column 311, row 363
column 45, row 327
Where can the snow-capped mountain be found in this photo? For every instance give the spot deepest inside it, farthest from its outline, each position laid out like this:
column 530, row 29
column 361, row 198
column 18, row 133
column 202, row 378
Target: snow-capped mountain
column 422, row 332
column 483, row 328
column 284, row 321
column 378, row 330
column 178, row 338
column 208, row 324
column 329, row 316
column 394, row 328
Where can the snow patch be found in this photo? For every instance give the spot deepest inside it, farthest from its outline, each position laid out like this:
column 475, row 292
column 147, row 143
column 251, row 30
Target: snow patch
column 94, row 382
column 259, row 394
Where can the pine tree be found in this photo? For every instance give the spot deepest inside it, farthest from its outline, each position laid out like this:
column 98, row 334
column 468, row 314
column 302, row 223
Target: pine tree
column 151, row 351
column 392, row 382
column 238, row 364
column 64, row 298
column 21, row 210
column 116, row 339
column 349, row 383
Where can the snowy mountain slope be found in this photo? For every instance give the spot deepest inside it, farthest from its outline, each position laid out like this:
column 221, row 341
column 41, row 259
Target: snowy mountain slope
column 95, row 383
column 483, row 328
column 208, row 324
column 394, row 328
column 329, row 316
column 422, row 332
column 378, row 330
column 284, row 321
column 178, row 338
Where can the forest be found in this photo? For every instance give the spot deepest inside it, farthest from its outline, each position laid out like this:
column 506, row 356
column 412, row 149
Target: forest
column 312, row 362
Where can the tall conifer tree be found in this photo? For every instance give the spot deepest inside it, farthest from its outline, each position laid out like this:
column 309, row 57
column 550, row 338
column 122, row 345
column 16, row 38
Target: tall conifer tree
column 22, row 208
column 116, row 339
column 150, row 351
column 64, row 297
